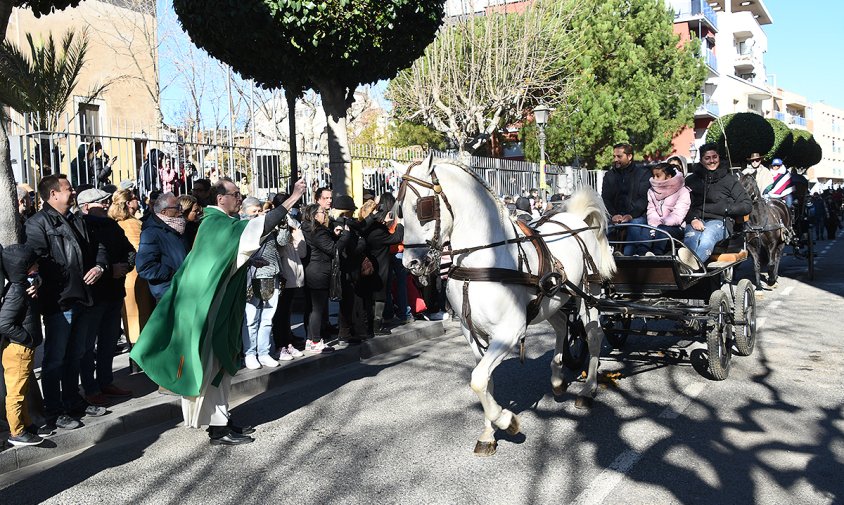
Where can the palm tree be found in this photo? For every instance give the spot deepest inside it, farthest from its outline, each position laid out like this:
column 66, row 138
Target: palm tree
column 41, row 81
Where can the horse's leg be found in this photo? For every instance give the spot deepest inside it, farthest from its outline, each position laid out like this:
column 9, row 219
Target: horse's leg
column 757, row 267
column 774, row 264
column 594, row 338
column 561, row 328
column 495, row 416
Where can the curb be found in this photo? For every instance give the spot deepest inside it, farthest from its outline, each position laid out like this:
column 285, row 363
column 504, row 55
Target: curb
column 155, row 408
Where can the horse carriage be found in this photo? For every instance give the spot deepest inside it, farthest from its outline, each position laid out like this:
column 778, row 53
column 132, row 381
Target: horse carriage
column 700, row 297
column 506, row 276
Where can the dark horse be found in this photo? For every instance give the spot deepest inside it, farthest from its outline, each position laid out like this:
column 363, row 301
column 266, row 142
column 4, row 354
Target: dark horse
column 767, row 231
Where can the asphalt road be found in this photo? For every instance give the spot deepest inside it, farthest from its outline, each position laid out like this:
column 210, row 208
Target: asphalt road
column 401, row 428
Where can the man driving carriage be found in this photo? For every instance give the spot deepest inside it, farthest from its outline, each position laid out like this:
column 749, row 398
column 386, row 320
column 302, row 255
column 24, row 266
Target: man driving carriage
column 717, row 195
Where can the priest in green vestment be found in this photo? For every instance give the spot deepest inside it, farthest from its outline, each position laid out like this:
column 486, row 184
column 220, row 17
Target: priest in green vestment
column 192, row 342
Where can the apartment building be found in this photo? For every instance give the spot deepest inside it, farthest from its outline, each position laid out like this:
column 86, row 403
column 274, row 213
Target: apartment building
column 828, row 126
column 733, row 46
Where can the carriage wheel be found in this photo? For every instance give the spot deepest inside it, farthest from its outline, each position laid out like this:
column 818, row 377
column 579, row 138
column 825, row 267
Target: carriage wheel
column 575, row 348
column 718, row 335
column 810, row 255
column 744, row 318
column 615, row 338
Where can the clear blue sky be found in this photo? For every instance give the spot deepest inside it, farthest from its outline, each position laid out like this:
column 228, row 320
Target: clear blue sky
column 805, row 47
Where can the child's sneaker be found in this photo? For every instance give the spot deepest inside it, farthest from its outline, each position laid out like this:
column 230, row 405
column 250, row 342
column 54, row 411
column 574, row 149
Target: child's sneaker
column 25, row 438
column 296, row 353
column 284, row 355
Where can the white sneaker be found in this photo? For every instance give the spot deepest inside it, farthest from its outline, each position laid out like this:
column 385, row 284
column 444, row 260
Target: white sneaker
column 317, row 347
column 296, row 353
column 284, row 355
column 267, row 360
column 252, row 362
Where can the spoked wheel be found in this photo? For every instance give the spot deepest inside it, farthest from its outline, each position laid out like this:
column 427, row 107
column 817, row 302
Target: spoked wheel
column 744, row 318
column 576, row 348
column 718, row 335
column 617, row 338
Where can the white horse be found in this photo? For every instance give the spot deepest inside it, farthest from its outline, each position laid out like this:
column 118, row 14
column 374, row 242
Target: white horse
column 442, row 202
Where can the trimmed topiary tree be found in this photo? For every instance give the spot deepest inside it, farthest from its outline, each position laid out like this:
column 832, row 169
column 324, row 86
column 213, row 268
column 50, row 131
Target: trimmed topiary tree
column 783, row 140
column 331, row 46
column 806, row 152
column 740, row 135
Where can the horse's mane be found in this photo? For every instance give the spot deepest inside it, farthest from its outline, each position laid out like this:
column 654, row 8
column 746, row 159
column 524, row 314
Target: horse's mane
column 446, row 161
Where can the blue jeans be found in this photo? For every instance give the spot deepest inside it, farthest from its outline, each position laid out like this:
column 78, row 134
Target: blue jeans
column 64, row 346
column 258, row 325
column 636, row 234
column 703, row 242
column 103, row 331
column 398, row 274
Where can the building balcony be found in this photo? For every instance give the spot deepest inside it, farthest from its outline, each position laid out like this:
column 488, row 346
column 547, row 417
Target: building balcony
column 709, row 108
column 799, row 121
column 781, row 116
column 710, row 59
column 689, row 10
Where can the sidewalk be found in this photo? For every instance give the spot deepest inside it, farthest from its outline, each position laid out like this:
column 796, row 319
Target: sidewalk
column 148, row 407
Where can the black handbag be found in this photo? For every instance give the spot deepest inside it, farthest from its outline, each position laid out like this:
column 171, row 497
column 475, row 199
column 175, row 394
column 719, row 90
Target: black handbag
column 335, row 283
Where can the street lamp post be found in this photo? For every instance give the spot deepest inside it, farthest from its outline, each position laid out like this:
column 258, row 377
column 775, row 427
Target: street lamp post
column 693, row 151
column 541, row 114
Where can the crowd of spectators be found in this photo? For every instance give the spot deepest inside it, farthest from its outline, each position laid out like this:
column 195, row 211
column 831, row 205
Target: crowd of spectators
column 94, row 262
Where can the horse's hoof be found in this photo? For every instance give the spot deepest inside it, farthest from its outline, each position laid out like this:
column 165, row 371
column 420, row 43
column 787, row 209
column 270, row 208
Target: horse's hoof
column 514, row 427
column 559, row 390
column 484, row 449
column 584, row 402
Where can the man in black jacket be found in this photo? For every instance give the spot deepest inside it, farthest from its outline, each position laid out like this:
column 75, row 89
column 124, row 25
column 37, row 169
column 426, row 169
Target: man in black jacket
column 625, row 193
column 108, row 293
column 70, row 262
column 20, row 334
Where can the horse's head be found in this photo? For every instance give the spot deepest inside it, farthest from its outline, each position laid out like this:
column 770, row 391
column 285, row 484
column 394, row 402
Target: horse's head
column 426, row 216
column 748, row 181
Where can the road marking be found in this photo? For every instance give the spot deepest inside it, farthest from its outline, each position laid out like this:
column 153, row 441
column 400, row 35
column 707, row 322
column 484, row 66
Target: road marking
column 598, row 490
column 787, row 291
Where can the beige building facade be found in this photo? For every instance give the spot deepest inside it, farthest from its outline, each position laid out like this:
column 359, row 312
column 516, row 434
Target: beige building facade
column 122, row 56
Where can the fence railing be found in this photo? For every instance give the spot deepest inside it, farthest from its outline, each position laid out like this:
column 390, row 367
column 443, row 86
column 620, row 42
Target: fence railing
column 174, row 164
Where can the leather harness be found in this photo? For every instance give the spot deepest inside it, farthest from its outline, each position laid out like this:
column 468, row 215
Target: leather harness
column 548, row 280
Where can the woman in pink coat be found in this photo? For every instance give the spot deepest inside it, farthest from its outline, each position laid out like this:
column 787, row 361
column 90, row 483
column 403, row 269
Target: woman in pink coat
column 168, row 176
column 668, row 202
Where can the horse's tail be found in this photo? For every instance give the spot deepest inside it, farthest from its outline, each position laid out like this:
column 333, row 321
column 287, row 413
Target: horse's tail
column 589, row 206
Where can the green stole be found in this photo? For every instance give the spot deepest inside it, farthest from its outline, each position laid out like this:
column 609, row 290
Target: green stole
column 168, row 349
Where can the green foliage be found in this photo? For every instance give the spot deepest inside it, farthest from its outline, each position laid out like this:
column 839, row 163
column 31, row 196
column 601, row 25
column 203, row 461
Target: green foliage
column 406, row 134
column 805, row 153
column 637, row 85
column 746, row 133
column 42, row 80
column 44, row 7
column 783, row 140
column 298, row 43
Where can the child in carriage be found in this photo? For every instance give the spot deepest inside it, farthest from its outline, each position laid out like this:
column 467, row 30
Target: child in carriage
column 668, row 202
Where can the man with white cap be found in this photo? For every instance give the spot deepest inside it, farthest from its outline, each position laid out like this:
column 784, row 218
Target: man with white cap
column 103, row 329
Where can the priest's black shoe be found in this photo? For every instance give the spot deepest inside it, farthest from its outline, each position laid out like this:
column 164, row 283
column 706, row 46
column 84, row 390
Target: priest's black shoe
column 241, row 430
column 222, row 435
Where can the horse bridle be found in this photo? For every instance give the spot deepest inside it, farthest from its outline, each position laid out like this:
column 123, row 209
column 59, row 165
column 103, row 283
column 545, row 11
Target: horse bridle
column 427, row 209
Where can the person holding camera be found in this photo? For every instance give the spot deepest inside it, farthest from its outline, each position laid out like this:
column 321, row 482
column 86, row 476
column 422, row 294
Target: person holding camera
column 376, row 232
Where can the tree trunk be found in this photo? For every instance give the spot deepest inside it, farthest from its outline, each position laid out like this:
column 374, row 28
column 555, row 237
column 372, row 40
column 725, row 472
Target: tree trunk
column 9, row 225
column 335, row 105
column 291, row 121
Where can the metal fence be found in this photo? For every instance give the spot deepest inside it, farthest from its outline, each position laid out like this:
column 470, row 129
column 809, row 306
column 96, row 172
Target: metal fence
column 174, row 163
